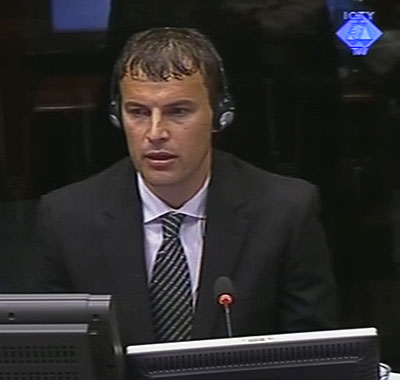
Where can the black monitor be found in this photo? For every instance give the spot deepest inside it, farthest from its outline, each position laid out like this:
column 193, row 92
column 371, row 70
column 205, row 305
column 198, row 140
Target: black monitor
column 72, row 27
column 330, row 355
column 59, row 337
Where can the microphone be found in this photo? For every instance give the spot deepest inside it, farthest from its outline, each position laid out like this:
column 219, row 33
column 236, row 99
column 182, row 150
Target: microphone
column 224, row 295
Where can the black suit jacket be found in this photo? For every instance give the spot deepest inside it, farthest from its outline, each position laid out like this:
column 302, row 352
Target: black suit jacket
column 262, row 231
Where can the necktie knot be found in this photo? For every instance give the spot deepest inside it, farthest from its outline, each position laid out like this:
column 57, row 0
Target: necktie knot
column 171, row 224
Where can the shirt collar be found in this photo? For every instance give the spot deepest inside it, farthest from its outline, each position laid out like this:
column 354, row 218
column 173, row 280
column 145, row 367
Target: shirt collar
column 154, row 207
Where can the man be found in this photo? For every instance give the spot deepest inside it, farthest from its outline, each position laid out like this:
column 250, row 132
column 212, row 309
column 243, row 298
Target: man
column 107, row 234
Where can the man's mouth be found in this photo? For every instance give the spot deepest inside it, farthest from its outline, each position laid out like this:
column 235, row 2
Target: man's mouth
column 160, row 156
column 160, row 160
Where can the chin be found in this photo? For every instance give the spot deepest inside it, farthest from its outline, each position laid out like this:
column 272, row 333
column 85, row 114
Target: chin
column 160, row 180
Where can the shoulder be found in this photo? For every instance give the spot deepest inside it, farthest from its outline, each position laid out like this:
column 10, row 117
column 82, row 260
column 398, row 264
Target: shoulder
column 261, row 197
column 93, row 189
column 259, row 184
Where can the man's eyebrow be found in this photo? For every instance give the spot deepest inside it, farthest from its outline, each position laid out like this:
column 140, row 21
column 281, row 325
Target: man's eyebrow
column 177, row 103
column 183, row 102
column 130, row 103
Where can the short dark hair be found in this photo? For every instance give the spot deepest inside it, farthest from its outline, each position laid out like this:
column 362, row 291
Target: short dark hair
column 164, row 53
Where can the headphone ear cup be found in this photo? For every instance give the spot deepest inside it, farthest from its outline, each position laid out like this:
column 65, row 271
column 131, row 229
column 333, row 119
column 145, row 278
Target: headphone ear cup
column 225, row 114
column 114, row 114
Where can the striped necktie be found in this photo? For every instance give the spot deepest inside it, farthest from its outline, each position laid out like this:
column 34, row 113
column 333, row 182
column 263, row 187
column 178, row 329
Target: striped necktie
column 170, row 285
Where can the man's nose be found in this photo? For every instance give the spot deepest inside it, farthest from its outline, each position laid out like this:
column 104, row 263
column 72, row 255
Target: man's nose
column 157, row 129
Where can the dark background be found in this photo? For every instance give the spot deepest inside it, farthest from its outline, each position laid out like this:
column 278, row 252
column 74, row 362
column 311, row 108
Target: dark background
column 305, row 107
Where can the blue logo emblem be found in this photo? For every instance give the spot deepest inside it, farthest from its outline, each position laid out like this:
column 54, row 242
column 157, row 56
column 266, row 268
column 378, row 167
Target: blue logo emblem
column 359, row 33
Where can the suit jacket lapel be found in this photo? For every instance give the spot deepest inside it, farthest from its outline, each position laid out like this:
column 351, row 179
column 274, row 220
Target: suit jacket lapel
column 124, row 246
column 123, row 252
column 225, row 233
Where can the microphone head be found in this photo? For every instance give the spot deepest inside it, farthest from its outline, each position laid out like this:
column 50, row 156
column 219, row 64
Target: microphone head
column 224, row 291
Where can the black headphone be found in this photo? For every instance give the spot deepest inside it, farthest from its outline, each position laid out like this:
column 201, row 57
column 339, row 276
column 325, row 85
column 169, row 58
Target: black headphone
column 223, row 115
column 225, row 112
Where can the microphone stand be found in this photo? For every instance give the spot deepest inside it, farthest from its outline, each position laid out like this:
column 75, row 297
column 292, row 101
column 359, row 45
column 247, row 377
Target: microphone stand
column 228, row 320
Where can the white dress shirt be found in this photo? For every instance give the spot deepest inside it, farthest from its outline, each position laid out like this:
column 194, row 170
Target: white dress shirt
column 191, row 232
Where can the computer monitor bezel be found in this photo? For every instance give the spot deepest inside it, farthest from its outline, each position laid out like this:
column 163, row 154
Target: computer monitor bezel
column 244, row 357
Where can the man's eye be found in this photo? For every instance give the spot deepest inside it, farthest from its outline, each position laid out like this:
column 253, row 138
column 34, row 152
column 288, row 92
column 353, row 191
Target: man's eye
column 138, row 112
column 179, row 111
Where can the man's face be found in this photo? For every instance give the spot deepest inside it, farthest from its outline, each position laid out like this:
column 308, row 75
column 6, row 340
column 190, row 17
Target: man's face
column 168, row 126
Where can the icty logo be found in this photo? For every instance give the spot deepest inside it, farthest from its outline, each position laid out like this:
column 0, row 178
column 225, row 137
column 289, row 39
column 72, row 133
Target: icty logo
column 359, row 33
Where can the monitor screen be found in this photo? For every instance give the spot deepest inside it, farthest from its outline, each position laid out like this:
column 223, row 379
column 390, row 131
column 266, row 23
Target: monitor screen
column 330, row 355
column 79, row 15
column 66, row 27
column 59, row 337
